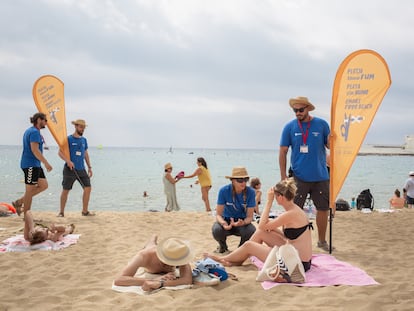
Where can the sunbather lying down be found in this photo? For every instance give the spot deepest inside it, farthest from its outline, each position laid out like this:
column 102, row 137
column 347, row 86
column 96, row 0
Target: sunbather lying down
column 37, row 233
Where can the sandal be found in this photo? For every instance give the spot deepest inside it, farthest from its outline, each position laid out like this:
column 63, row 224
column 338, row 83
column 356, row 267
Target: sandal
column 18, row 207
column 88, row 213
column 61, row 215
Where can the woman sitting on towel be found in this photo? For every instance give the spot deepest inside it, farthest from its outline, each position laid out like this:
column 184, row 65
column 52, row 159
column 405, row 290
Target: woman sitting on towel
column 295, row 229
column 37, row 233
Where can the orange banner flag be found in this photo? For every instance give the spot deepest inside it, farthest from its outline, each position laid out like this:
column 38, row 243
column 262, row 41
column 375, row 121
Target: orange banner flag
column 48, row 95
column 360, row 85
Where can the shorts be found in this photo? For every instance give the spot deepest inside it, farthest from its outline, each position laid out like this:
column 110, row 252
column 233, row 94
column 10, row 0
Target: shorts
column 32, row 175
column 410, row 200
column 319, row 193
column 69, row 177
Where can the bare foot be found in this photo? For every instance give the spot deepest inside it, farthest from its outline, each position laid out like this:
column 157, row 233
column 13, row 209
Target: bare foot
column 221, row 260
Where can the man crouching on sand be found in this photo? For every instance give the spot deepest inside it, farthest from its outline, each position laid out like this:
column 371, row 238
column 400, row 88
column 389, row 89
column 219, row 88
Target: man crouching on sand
column 162, row 258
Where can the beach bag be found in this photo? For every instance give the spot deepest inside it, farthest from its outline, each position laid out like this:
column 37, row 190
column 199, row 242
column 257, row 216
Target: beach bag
column 365, row 200
column 282, row 265
column 342, row 205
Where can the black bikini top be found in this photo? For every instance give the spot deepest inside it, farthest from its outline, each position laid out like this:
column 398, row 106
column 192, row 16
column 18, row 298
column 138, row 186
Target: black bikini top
column 294, row 233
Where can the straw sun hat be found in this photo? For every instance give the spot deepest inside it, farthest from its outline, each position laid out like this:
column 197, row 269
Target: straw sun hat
column 167, row 166
column 303, row 101
column 238, row 172
column 174, row 252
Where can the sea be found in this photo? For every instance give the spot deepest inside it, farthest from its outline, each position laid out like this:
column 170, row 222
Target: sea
column 122, row 175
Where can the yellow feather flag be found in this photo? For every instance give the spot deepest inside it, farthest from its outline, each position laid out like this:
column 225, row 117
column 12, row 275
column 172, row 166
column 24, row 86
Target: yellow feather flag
column 48, row 94
column 361, row 83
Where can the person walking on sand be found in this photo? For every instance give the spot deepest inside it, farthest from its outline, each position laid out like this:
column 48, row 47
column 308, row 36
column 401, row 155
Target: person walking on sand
column 295, row 230
column 74, row 168
column 234, row 211
column 159, row 258
column 32, row 157
column 307, row 136
column 169, row 189
column 204, row 179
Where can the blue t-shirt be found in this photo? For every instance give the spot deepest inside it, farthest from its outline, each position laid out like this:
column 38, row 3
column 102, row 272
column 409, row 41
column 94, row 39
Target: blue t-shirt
column 310, row 166
column 77, row 149
column 31, row 135
column 235, row 205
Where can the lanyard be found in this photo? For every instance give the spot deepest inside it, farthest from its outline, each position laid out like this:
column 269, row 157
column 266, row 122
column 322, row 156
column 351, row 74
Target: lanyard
column 304, row 135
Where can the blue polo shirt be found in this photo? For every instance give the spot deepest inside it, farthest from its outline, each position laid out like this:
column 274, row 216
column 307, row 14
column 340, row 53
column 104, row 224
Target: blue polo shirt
column 31, row 135
column 236, row 205
column 77, row 149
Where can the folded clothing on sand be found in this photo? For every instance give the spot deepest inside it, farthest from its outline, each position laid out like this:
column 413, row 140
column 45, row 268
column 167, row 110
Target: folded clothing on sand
column 326, row 270
column 19, row 244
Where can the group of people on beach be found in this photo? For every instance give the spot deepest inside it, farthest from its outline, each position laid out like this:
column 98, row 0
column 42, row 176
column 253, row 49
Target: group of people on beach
column 36, row 182
column 407, row 200
column 307, row 137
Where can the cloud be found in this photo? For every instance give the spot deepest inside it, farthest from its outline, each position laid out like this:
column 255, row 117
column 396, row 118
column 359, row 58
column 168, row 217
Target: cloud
column 197, row 74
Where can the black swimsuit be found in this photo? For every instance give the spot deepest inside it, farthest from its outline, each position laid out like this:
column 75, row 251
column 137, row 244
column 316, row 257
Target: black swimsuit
column 294, row 233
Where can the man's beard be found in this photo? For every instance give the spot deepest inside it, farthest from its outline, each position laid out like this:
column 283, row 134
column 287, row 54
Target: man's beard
column 79, row 133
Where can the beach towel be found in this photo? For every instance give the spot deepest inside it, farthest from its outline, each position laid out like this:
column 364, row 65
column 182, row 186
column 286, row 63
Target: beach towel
column 19, row 244
column 326, row 270
column 138, row 289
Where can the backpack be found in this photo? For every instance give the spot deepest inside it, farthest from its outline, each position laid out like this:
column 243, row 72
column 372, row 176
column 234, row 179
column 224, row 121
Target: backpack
column 365, row 200
column 342, row 205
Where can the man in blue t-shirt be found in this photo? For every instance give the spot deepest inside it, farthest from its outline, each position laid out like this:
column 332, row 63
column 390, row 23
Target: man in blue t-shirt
column 74, row 168
column 307, row 136
column 234, row 212
column 32, row 157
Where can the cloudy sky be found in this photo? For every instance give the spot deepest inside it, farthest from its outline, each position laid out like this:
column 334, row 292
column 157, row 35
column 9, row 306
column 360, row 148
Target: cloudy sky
column 198, row 74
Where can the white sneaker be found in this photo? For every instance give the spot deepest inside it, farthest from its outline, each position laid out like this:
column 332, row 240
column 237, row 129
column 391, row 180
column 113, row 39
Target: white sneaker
column 206, row 279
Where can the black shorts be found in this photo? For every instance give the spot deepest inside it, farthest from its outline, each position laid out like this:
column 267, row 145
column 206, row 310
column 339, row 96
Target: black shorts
column 32, row 175
column 69, row 177
column 410, row 200
column 319, row 193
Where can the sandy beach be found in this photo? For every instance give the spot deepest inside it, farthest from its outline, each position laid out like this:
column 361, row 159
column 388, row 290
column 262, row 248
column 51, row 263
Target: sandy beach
column 80, row 276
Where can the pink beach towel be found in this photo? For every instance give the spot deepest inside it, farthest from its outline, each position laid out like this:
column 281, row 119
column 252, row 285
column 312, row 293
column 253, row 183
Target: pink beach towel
column 326, row 270
column 19, row 244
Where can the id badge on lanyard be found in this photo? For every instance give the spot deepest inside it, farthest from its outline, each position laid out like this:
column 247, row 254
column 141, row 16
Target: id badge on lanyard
column 304, row 147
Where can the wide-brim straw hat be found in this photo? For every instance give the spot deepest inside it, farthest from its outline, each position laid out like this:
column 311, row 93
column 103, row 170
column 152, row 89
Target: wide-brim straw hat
column 167, row 166
column 174, row 252
column 303, row 101
column 238, row 172
column 79, row 122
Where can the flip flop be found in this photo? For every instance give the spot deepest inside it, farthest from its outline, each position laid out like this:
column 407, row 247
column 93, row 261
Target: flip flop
column 88, row 213
column 18, row 207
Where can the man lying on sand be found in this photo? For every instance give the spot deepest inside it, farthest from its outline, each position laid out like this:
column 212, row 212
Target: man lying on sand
column 162, row 258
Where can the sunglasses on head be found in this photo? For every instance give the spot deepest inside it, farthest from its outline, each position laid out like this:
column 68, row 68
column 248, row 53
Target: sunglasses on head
column 296, row 110
column 241, row 180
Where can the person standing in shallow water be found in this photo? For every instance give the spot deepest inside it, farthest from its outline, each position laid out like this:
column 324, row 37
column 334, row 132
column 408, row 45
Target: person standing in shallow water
column 169, row 189
column 204, row 179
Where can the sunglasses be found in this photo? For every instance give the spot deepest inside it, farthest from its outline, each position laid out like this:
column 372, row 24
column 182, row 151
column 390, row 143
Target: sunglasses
column 296, row 110
column 241, row 180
